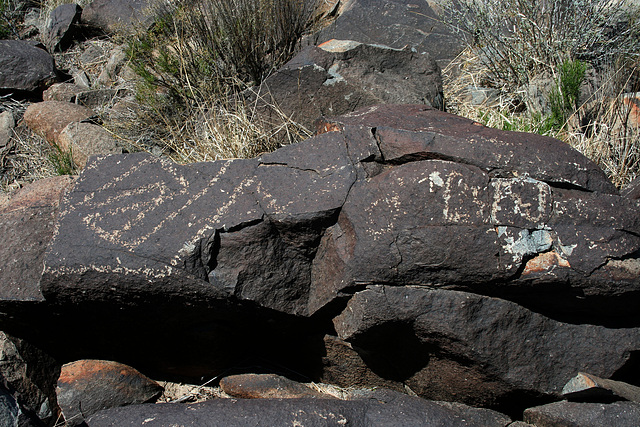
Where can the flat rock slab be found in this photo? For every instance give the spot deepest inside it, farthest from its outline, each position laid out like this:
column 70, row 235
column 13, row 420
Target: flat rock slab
column 49, row 118
column 25, row 67
column 533, row 355
column 256, row 386
column 561, row 414
column 390, row 410
column 88, row 386
column 395, row 23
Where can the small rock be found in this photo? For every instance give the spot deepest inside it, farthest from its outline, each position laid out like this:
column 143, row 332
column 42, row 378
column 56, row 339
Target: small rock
column 7, row 123
column 86, row 139
column 569, row 414
column 254, row 386
column 65, row 92
column 589, row 387
column 49, row 118
column 88, row 386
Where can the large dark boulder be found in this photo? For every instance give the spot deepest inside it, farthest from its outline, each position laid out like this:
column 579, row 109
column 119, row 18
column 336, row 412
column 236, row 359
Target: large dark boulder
column 496, row 351
column 25, row 67
column 256, row 257
column 342, row 76
column 117, row 16
column 394, row 23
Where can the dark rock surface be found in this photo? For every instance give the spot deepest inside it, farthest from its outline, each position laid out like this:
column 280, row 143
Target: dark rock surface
column 381, row 409
column 27, row 375
column 88, row 386
column 394, row 23
column 49, row 118
column 60, row 27
column 587, row 387
column 342, row 76
column 24, row 67
column 480, row 335
column 569, row 414
column 117, row 16
column 234, row 258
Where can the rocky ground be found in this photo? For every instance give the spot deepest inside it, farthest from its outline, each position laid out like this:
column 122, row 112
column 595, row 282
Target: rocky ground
column 402, row 266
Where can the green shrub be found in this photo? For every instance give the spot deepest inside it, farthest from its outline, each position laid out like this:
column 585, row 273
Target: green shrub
column 564, row 98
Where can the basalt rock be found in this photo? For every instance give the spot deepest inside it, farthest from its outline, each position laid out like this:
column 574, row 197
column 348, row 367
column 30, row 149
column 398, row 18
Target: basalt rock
column 25, row 67
column 233, row 258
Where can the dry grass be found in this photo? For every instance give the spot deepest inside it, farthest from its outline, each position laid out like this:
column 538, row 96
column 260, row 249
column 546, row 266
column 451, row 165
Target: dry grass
column 611, row 139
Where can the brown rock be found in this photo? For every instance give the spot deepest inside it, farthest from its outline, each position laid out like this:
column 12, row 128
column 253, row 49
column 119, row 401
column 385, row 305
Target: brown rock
column 88, row 386
column 255, row 386
column 87, row 139
column 49, row 118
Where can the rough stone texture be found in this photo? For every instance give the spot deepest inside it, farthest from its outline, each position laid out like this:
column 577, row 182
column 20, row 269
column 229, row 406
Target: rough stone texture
column 343, row 366
column 341, row 76
column 383, row 409
column 117, row 16
column 395, row 23
column 534, row 355
column 59, row 29
column 65, row 92
column 27, row 222
column 24, row 67
column 28, row 374
column 88, row 386
column 256, row 386
column 236, row 257
column 87, row 139
column 570, row 414
column 7, row 123
column 632, row 190
column 587, row 387
column 49, row 118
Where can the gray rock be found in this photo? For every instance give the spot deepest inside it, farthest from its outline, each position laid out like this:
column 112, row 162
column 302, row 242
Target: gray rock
column 507, row 353
column 385, row 409
column 60, row 27
column 587, row 387
column 117, row 16
column 87, row 139
column 561, row 414
column 24, row 67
